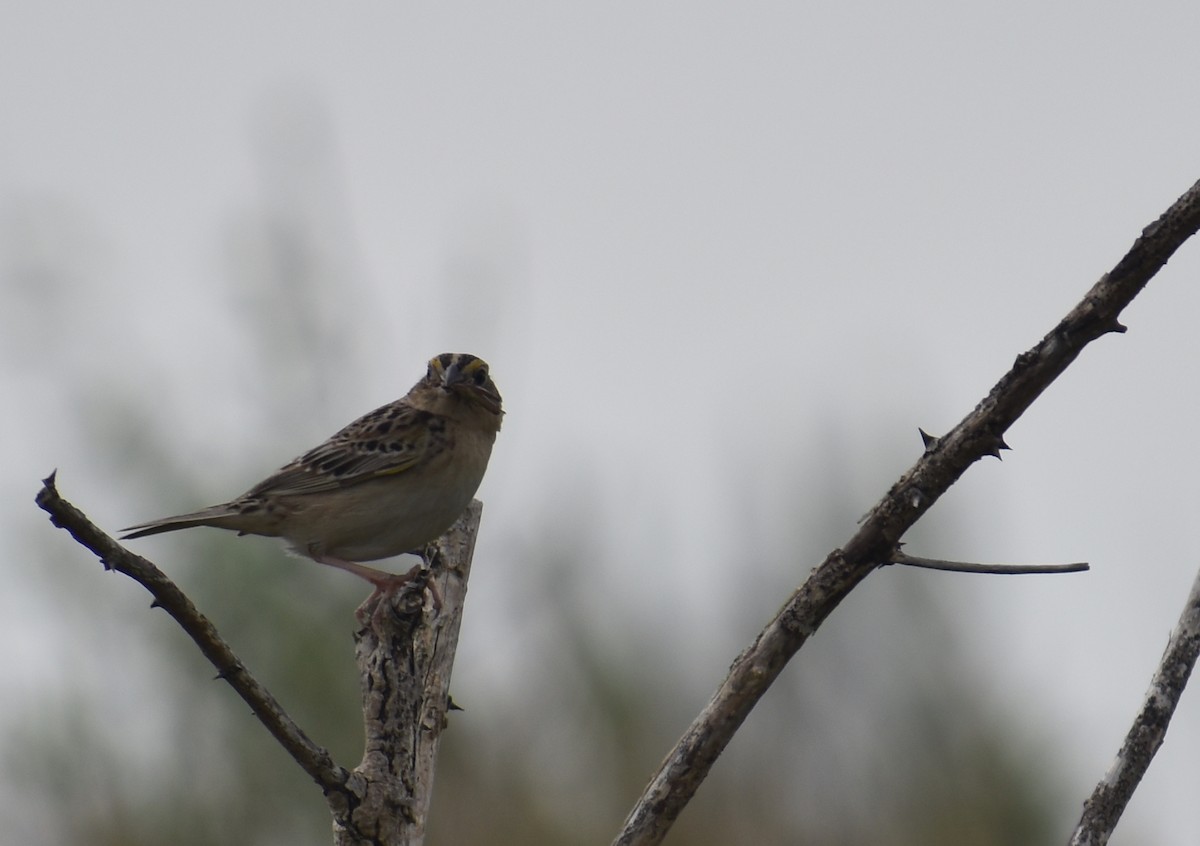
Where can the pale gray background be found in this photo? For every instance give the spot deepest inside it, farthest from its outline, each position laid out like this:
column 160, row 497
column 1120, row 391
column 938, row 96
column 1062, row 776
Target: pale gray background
column 702, row 245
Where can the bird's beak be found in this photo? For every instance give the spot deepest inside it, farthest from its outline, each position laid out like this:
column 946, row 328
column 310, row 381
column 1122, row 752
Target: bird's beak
column 451, row 375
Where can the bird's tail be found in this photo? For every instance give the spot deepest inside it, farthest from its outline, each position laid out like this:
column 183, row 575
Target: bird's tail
column 219, row 516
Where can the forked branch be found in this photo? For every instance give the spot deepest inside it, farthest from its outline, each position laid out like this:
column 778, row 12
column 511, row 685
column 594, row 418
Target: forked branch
column 980, row 433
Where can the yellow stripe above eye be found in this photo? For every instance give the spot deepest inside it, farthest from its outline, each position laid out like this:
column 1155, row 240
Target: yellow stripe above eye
column 467, row 364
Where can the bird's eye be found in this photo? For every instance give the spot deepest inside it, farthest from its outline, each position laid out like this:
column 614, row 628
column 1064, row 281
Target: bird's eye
column 481, row 377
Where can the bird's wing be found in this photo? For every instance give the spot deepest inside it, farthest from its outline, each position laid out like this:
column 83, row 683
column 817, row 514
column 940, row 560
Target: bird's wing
column 389, row 440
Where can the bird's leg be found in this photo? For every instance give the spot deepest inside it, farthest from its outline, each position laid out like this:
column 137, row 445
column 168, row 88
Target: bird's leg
column 385, row 584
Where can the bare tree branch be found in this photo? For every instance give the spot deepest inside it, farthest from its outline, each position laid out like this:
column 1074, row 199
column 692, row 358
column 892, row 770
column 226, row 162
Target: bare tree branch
column 979, row 434
column 312, row 758
column 1104, row 807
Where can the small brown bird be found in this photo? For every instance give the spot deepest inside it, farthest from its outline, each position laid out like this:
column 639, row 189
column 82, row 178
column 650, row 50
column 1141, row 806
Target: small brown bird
column 387, row 484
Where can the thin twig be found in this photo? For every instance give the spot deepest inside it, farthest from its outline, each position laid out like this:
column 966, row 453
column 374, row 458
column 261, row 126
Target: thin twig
column 945, row 459
column 312, row 758
column 1104, row 807
column 991, row 569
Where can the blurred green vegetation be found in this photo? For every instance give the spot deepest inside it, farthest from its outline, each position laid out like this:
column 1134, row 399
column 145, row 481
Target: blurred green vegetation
column 881, row 733
column 916, row 758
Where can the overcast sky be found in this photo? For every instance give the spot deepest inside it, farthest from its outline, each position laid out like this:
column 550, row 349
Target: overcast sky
column 692, row 240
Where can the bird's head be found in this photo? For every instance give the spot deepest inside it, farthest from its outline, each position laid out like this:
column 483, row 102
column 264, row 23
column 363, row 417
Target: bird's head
column 465, row 376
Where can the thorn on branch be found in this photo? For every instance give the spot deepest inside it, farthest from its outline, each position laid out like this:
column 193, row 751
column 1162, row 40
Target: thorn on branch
column 929, row 440
column 1024, row 360
column 994, row 445
column 225, row 673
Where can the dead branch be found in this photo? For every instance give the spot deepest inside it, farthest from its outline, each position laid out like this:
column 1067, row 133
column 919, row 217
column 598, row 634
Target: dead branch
column 312, row 758
column 945, row 459
column 1104, row 807
column 405, row 656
